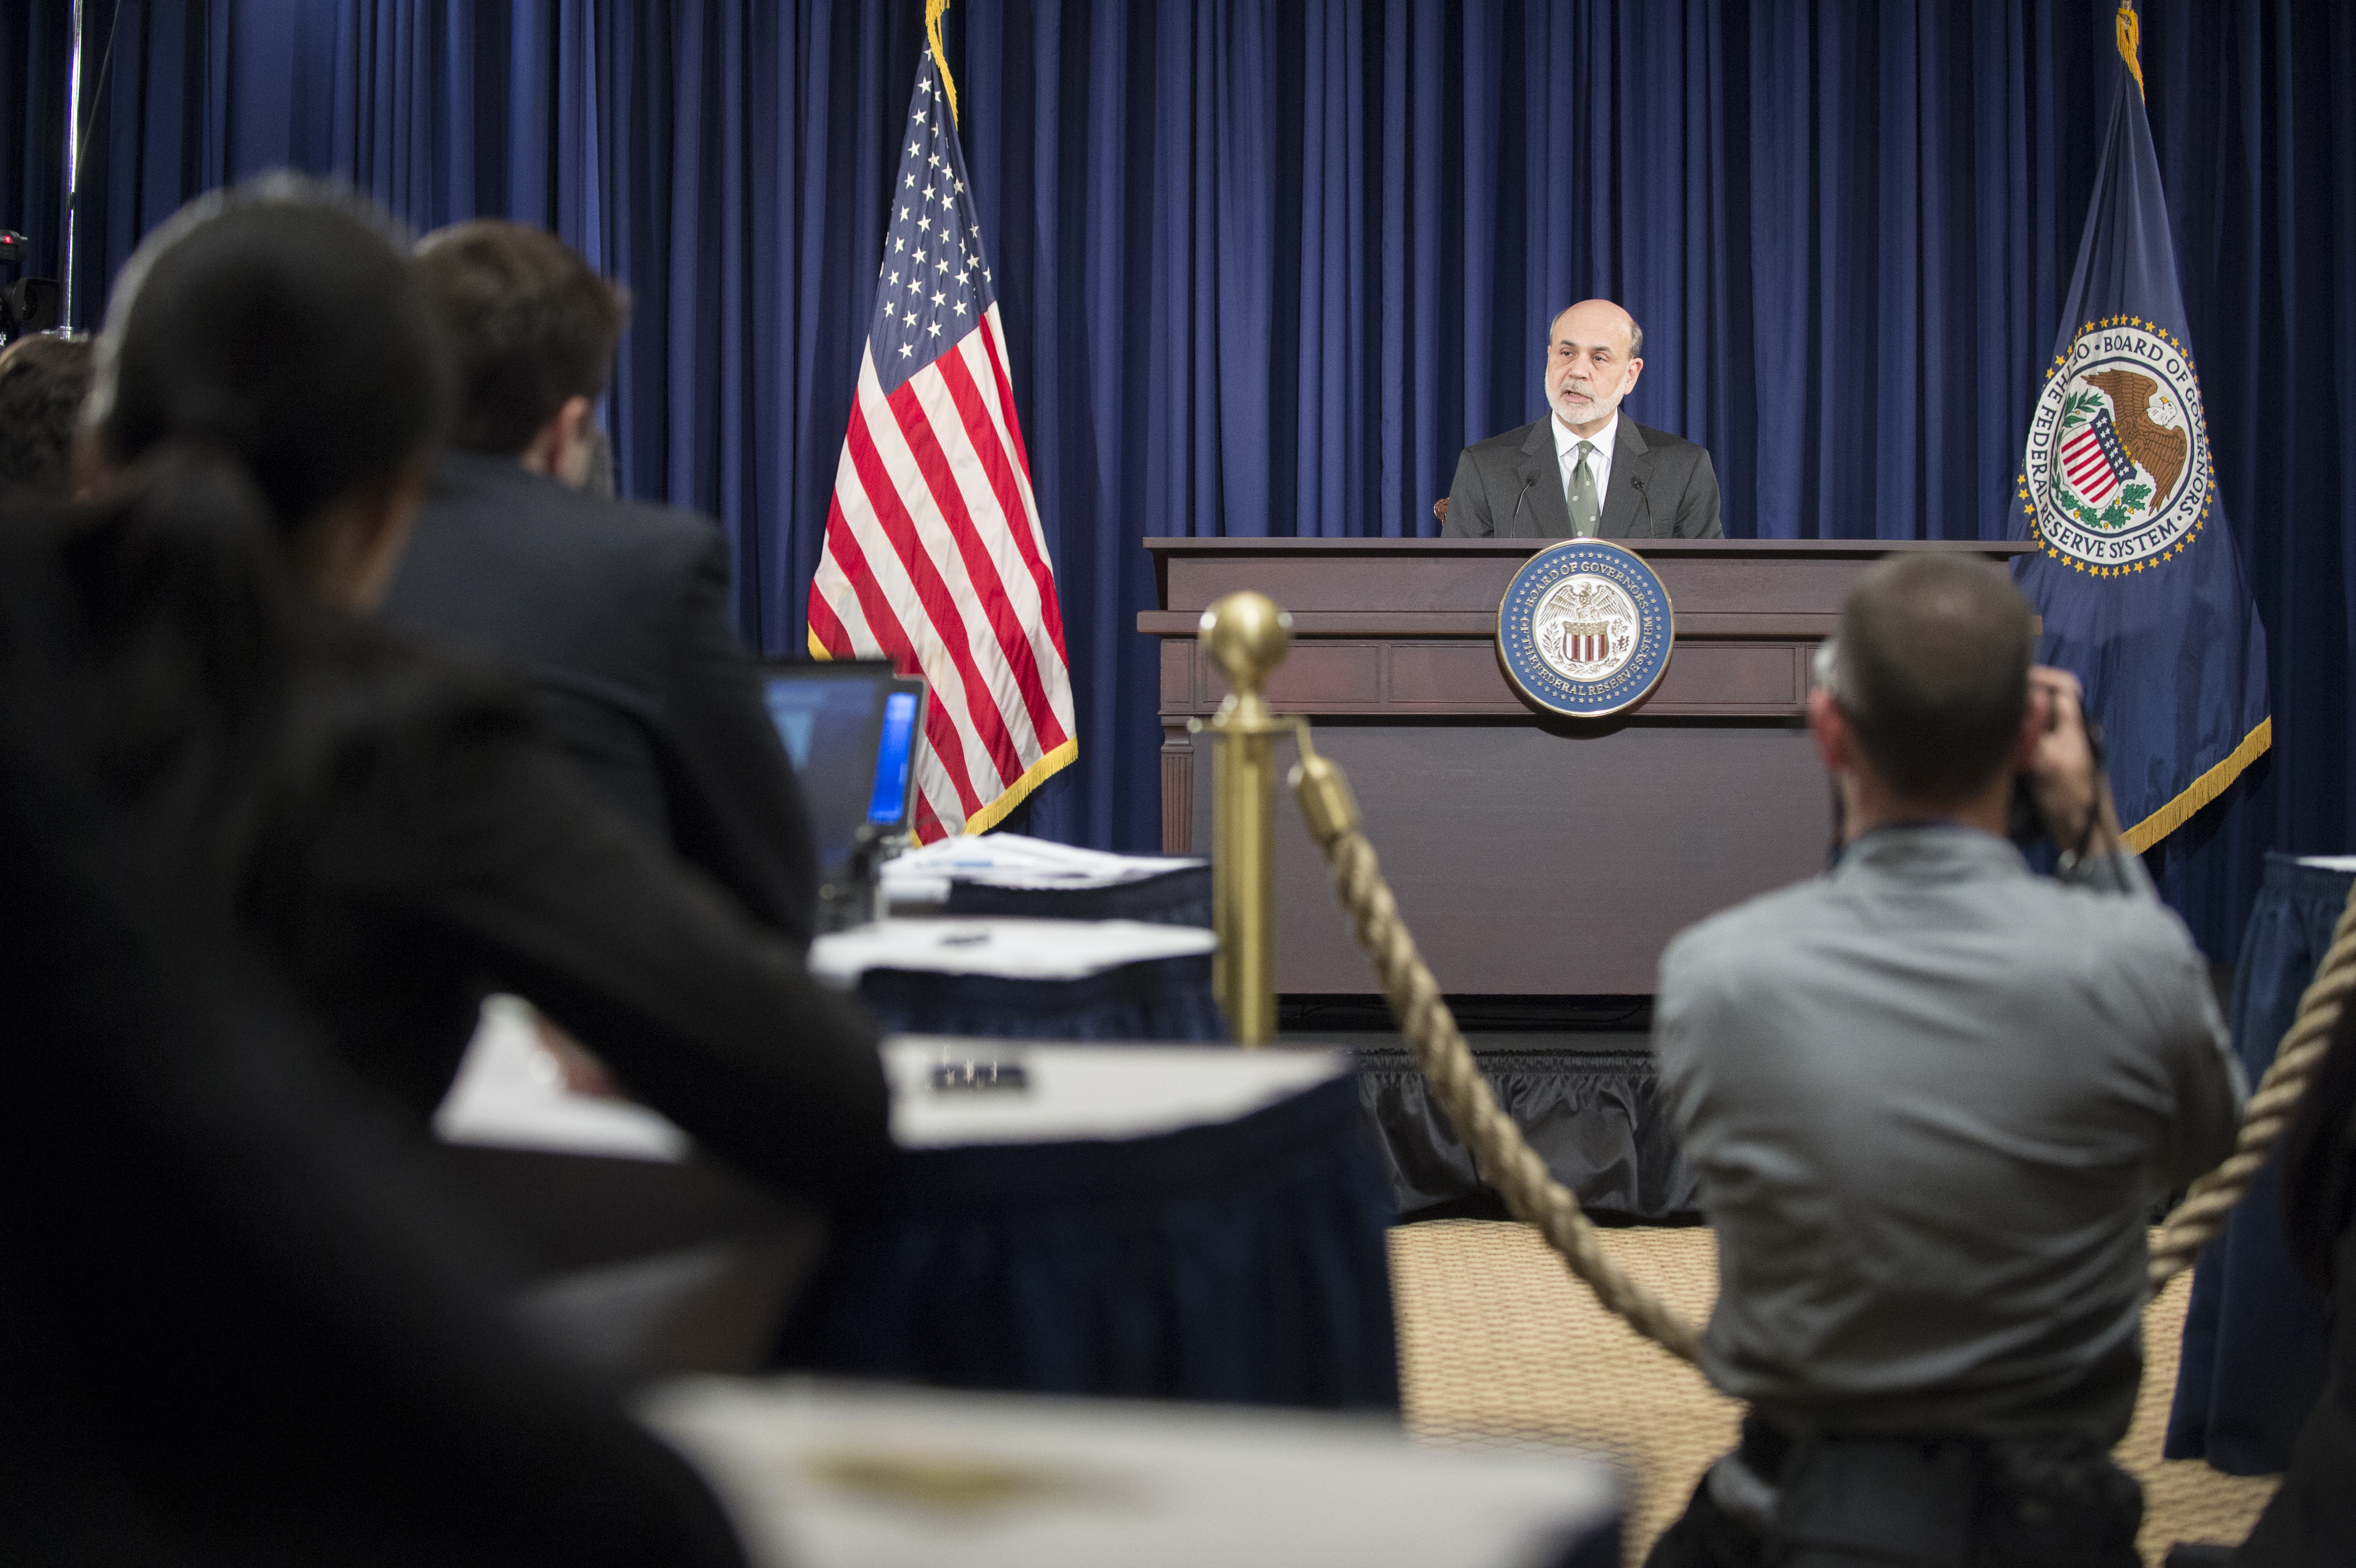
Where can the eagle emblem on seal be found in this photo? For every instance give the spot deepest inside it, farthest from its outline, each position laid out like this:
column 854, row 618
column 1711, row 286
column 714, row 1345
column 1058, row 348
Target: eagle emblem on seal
column 1586, row 627
column 2116, row 474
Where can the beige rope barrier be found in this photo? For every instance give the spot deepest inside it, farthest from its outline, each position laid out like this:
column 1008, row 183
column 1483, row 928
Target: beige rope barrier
column 1506, row 1161
column 1532, row 1194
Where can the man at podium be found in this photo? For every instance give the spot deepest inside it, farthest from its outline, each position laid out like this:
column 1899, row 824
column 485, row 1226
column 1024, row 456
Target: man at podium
column 1583, row 471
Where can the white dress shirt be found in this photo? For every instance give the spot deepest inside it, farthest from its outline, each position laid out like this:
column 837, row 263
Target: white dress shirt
column 1599, row 462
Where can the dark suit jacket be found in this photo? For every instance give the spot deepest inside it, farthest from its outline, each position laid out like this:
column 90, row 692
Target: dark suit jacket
column 1661, row 487
column 433, row 846
column 618, row 613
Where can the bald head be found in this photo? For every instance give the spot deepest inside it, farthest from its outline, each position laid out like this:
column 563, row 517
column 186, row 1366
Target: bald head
column 1600, row 321
column 1594, row 354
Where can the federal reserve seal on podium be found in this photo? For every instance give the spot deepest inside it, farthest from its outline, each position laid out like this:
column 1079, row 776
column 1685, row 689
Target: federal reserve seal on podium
column 1585, row 629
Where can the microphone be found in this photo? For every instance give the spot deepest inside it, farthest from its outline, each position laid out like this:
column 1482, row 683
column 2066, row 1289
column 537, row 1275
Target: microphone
column 1527, row 483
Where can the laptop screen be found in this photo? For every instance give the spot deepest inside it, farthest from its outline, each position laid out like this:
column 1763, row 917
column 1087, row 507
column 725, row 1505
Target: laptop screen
column 895, row 750
column 850, row 727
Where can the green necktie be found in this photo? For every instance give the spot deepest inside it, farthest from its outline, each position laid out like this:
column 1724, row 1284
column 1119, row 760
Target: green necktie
column 1582, row 492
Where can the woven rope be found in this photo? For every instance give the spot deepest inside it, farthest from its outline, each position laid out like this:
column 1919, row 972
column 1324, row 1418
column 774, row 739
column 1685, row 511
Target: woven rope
column 1531, row 1193
column 1506, row 1161
column 2201, row 1215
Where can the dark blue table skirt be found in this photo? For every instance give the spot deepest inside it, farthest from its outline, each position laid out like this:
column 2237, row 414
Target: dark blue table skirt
column 1174, row 898
column 2254, row 1349
column 1244, row 1262
column 1595, row 1117
column 1160, row 999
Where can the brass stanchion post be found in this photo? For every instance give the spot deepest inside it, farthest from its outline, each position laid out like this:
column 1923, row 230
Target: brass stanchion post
column 1248, row 635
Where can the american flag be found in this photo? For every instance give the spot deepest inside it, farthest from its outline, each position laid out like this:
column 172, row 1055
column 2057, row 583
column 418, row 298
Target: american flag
column 934, row 558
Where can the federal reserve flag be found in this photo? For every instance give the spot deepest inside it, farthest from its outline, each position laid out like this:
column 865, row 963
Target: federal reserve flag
column 2135, row 572
column 934, row 557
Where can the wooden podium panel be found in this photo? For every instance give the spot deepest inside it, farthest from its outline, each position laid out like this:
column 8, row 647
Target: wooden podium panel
column 1530, row 855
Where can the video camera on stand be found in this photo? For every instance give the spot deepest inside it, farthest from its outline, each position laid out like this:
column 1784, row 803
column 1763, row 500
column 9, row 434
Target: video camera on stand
column 29, row 304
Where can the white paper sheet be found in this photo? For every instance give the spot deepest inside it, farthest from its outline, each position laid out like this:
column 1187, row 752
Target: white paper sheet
column 510, row 1094
column 1013, row 860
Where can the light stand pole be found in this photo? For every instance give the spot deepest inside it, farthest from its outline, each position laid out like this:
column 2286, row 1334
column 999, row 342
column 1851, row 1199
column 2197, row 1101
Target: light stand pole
column 74, row 171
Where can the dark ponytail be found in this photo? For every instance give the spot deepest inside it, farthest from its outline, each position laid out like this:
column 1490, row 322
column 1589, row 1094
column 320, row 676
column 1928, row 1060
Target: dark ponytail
column 190, row 614
column 266, row 356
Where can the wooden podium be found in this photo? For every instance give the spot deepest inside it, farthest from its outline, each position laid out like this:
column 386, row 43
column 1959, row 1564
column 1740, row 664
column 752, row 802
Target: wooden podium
column 1530, row 855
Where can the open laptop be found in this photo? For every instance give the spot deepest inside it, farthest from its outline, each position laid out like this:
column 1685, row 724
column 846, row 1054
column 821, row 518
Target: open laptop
column 850, row 725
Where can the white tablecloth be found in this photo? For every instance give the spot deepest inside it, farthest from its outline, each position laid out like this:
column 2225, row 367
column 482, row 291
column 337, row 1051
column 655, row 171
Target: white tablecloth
column 509, row 1095
column 840, row 1476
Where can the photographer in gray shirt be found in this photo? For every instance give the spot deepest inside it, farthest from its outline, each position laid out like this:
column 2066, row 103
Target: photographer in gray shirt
column 1932, row 1098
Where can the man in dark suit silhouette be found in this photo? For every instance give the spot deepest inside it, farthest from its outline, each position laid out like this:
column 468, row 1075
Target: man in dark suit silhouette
column 617, row 610
column 1584, row 470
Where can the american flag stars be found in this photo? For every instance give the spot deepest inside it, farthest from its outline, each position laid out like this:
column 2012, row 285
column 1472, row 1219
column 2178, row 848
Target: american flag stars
column 933, row 276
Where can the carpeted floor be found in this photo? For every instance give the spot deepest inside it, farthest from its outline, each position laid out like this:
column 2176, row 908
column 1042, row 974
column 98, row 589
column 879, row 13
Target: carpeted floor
column 1498, row 1344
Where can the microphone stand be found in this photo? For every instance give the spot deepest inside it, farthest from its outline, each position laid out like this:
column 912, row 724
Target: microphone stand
column 1527, row 485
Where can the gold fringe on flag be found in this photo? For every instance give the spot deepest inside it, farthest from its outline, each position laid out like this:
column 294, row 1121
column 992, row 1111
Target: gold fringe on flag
column 2130, row 44
column 991, row 816
column 2200, row 792
column 933, row 12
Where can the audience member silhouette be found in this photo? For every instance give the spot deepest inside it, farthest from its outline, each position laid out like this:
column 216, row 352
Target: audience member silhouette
column 234, row 1326
column 387, row 821
column 615, row 612
column 1931, row 1099
column 43, row 381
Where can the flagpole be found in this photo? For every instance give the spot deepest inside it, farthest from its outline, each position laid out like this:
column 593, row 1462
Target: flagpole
column 73, row 166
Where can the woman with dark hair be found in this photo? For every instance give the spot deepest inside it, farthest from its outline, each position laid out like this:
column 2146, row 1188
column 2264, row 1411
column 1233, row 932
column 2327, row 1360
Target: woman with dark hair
column 385, row 820
column 236, row 1325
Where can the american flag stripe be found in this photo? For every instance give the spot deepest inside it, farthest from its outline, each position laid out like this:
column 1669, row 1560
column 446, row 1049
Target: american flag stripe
column 958, row 598
column 955, row 465
column 994, row 343
column 2085, row 459
column 846, row 601
column 918, row 596
column 2089, row 469
column 1033, row 544
column 873, row 583
column 1034, row 638
column 935, row 554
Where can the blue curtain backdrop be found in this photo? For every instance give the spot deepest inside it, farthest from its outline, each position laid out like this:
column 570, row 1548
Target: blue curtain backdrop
column 1266, row 264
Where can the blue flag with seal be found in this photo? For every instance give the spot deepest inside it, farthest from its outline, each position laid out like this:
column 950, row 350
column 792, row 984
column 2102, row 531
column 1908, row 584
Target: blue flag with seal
column 2135, row 572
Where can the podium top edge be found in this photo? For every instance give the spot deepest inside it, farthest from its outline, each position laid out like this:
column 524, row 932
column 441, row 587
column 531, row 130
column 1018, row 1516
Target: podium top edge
column 1851, row 548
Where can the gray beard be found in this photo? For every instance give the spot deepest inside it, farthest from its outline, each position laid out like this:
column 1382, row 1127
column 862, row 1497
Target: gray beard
column 1595, row 410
